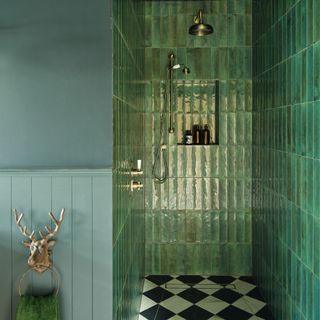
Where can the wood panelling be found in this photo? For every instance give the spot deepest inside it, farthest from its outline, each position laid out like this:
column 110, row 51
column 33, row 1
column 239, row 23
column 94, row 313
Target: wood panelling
column 83, row 251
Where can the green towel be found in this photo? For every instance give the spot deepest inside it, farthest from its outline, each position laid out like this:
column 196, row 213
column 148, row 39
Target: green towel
column 38, row 308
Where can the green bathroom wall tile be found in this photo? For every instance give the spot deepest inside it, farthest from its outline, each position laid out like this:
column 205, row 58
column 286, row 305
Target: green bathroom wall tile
column 316, row 131
column 316, row 23
column 242, row 194
column 223, row 63
column 309, row 74
column 232, row 163
column 233, row 225
column 232, row 133
column 232, row 96
column 155, row 259
column 223, row 162
column 223, row 226
column 239, row 6
column 205, row 233
column 316, row 71
column 236, row 252
column 316, row 246
column 316, row 297
column 215, row 226
column 186, row 187
column 231, row 194
column 218, row 260
column 316, row 189
column 248, row 28
column 303, row 23
column 309, row 186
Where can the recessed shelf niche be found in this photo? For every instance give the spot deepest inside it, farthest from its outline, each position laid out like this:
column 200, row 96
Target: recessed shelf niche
column 197, row 103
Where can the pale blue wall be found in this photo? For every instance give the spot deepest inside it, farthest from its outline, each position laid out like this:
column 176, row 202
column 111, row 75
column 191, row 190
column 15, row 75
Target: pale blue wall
column 83, row 251
column 55, row 83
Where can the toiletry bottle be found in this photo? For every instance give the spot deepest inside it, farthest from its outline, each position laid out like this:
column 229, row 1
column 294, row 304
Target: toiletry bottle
column 196, row 134
column 188, row 137
column 206, row 135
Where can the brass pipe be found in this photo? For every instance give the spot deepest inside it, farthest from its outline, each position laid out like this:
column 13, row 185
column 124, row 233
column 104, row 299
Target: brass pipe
column 170, row 71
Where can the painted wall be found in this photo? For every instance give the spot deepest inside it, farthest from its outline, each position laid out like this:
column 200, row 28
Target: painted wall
column 83, row 250
column 199, row 221
column 286, row 156
column 128, row 104
column 55, row 84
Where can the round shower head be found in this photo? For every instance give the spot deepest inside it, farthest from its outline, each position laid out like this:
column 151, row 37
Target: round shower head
column 200, row 28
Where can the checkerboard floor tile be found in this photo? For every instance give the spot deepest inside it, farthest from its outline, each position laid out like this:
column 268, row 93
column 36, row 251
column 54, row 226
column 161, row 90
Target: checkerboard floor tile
column 187, row 297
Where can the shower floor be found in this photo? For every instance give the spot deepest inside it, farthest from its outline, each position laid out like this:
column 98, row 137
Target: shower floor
column 202, row 298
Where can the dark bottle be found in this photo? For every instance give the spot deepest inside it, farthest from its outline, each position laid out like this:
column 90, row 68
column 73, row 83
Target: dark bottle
column 206, row 135
column 196, row 133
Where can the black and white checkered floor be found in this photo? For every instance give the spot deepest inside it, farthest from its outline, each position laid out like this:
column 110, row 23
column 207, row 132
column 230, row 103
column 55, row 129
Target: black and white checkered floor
column 202, row 298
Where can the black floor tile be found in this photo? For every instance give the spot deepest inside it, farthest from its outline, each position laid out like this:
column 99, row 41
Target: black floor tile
column 158, row 294
column 159, row 279
column 233, row 313
column 190, row 280
column 265, row 313
column 163, row 314
column 195, row 313
column 248, row 279
column 227, row 295
column 222, row 279
column 192, row 295
column 150, row 313
column 255, row 293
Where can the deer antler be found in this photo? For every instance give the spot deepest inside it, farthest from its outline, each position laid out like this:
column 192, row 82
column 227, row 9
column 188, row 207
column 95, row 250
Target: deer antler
column 23, row 229
column 52, row 233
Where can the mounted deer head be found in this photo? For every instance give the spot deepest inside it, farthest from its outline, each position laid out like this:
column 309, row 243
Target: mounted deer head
column 40, row 250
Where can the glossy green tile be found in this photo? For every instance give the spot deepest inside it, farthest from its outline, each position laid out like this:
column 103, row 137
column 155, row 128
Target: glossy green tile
column 202, row 193
column 128, row 111
column 285, row 157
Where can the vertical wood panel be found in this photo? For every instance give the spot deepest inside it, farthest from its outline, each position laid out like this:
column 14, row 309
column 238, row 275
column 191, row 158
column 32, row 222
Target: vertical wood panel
column 102, row 247
column 5, row 248
column 21, row 200
column 41, row 206
column 83, row 252
column 62, row 253
column 82, row 247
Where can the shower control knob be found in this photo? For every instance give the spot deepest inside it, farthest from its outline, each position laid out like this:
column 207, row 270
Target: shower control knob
column 136, row 185
column 138, row 170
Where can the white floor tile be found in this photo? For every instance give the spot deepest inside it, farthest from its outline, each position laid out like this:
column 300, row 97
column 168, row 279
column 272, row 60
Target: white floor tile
column 176, row 304
column 142, row 317
column 254, row 304
column 176, row 317
column 212, row 304
column 242, row 287
column 146, row 303
column 148, row 285
column 175, row 286
column 208, row 286
column 243, row 305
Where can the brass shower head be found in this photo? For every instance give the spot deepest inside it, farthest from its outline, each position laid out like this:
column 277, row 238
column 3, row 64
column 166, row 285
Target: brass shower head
column 200, row 28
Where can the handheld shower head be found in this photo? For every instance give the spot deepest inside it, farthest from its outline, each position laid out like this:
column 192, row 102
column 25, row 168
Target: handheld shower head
column 177, row 66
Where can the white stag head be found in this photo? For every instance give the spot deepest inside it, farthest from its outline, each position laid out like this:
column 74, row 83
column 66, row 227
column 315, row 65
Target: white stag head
column 40, row 250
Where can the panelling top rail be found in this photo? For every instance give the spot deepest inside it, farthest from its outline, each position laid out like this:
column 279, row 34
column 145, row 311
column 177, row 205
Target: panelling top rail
column 40, row 250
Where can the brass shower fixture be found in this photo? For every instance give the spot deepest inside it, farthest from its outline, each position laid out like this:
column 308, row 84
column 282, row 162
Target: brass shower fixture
column 200, row 28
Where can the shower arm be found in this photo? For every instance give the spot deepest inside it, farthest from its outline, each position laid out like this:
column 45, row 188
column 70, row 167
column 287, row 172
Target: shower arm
column 170, row 75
